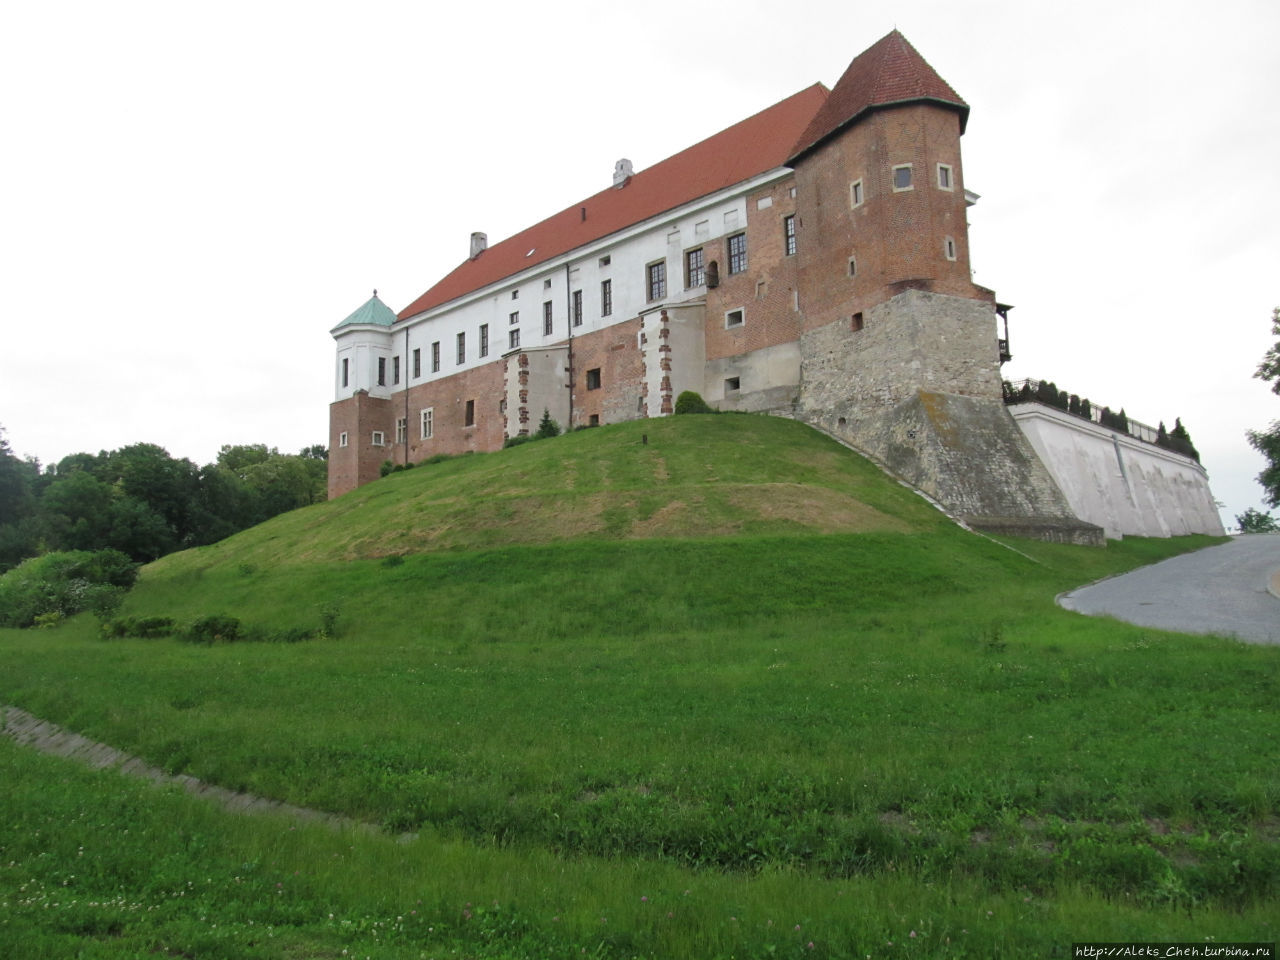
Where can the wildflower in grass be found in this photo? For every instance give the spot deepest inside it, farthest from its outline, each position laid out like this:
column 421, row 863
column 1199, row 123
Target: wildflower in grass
column 644, row 899
column 810, row 944
column 912, row 934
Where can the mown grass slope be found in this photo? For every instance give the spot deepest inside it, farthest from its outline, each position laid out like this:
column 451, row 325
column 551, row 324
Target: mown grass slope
column 849, row 698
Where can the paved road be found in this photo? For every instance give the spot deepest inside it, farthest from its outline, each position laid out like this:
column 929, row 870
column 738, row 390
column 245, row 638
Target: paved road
column 1220, row 590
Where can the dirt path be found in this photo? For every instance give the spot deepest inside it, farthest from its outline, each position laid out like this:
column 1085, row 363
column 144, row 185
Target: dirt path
column 46, row 737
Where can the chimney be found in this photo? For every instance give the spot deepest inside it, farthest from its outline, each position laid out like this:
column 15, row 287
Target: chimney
column 622, row 172
column 479, row 243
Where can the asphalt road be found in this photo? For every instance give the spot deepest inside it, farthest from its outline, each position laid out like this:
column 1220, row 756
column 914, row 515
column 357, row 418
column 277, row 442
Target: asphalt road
column 1220, row 590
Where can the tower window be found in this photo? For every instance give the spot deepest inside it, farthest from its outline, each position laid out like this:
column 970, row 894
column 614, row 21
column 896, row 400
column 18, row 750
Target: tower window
column 853, row 266
column 382, row 371
column 606, row 297
column 346, row 364
column 733, row 318
column 944, row 176
column 949, row 248
column 462, row 348
column 577, row 308
column 342, row 439
column 379, row 439
column 395, row 369
column 855, row 193
column 902, row 177
column 789, row 235
column 435, row 357
column 484, row 339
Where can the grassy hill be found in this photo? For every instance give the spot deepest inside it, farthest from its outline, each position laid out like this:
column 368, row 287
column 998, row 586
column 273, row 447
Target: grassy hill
column 727, row 692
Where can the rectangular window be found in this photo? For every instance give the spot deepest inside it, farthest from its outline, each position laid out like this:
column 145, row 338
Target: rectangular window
column 513, row 338
column 548, row 326
column 395, row 369
column 789, row 235
column 435, row 357
column 737, row 253
column 417, row 362
column 470, row 416
column 462, row 348
column 656, row 274
column 732, row 384
column 513, row 319
column 593, row 379
column 856, row 323
column 902, row 177
column 855, row 193
column 577, row 308
column 379, row 439
column 733, row 318
column 944, row 176
column 345, row 373
column 342, row 439
column 382, row 371
column 427, row 422
column 515, row 294
column 484, row 339
column 695, row 274
column 606, row 298
column 402, row 429
column 605, row 260
column 546, row 284
column 949, row 248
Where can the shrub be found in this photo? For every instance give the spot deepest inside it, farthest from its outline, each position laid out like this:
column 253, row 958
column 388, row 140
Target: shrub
column 692, row 402
column 146, row 628
column 214, row 629
column 516, row 441
column 64, row 583
column 547, row 427
column 1255, row 521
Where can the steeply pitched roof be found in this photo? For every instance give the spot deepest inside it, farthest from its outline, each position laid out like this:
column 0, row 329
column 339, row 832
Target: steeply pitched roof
column 372, row 311
column 887, row 73
column 753, row 146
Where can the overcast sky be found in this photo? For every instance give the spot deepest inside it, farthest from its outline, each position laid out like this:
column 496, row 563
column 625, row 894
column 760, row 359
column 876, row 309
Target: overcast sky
column 194, row 194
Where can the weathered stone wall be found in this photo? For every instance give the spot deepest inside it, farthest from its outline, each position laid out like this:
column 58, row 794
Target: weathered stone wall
column 917, row 388
column 1118, row 482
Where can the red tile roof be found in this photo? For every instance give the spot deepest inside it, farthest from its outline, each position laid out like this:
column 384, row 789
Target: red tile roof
column 888, row 72
column 753, row 146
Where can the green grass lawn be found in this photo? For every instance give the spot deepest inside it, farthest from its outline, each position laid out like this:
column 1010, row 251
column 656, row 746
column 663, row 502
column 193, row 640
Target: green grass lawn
column 848, row 716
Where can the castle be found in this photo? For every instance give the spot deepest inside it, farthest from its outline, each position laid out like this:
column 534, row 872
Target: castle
column 810, row 261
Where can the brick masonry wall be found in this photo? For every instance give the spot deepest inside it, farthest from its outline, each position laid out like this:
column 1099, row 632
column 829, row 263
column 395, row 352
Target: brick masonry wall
column 448, row 398
column 615, row 352
column 765, row 291
column 359, row 461
column 897, row 239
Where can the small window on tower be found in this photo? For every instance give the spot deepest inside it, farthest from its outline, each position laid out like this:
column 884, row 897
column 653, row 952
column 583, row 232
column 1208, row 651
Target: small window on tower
column 732, row 384
column 853, row 266
column 379, row 439
column 470, row 417
column 944, row 176
column 382, row 371
column 733, row 318
column 855, row 193
column 902, row 177
column 949, row 248
column 342, row 439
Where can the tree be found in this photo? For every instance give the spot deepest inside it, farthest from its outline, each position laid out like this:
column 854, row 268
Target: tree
column 1267, row 442
column 547, row 428
column 1255, row 521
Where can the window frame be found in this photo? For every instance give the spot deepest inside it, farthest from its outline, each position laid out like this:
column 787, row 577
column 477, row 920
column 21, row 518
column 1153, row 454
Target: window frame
column 513, row 338
column 857, row 194
column 949, row 248
column 655, row 275
column 402, row 430
column 346, row 371
column 462, row 347
column 695, row 274
column 435, row 356
column 382, row 371
column 427, row 423
column 469, row 414
column 950, row 177
column 342, row 439
column 593, row 378
column 395, row 370
column 378, row 438
column 738, row 256
column 893, row 177
column 730, row 323
column 606, row 298
column 548, row 318
column 576, row 307
column 484, row 340
column 789, row 235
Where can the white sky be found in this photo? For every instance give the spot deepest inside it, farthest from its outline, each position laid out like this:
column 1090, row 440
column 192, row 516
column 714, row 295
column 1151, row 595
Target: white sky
column 192, row 195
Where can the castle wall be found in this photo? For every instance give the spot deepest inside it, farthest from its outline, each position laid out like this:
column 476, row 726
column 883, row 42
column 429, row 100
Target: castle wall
column 447, row 399
column 358, row 460
column 536, row 380
column 1118, row 482
column 619, row 393
column 893, row 237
